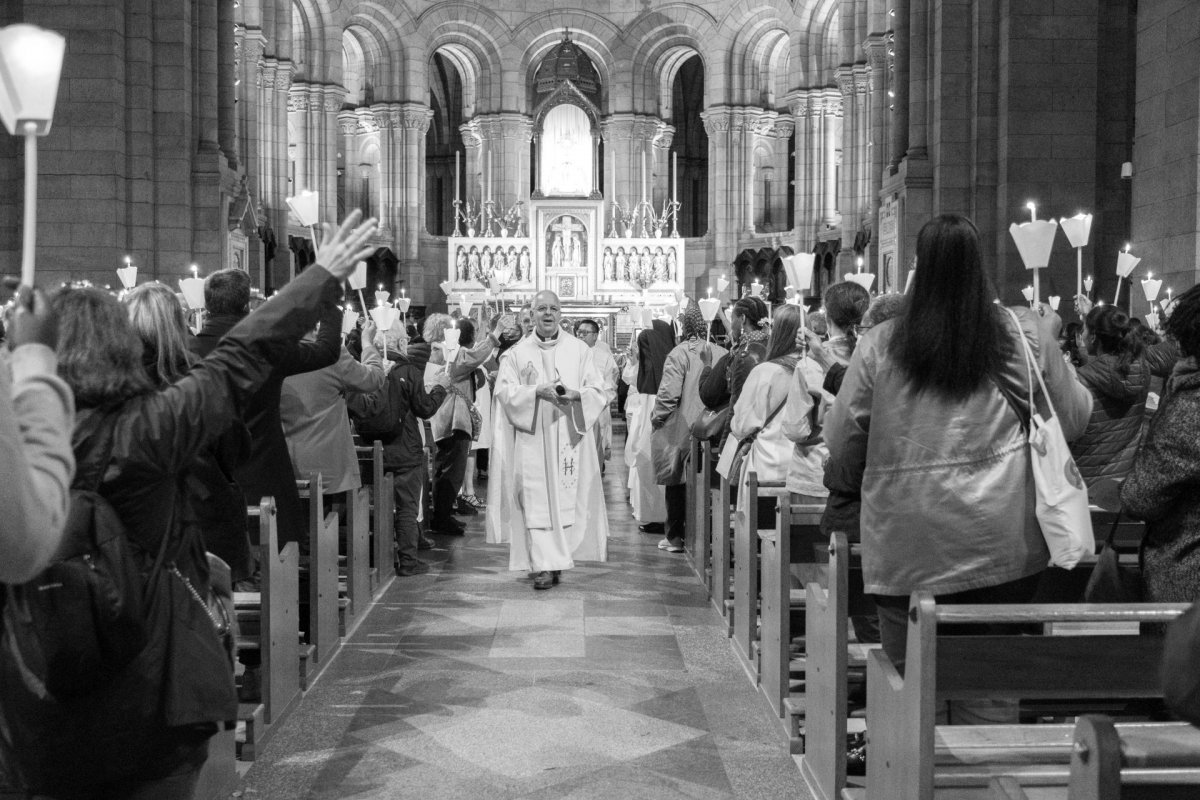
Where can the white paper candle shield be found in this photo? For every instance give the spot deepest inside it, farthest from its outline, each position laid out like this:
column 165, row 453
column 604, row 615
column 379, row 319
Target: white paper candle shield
column 402, row 304
column 446, row 286
column 128, row 276
column 722, row 284
column 708, row 308
column 863, row 279
column 464, row 306
column 1028, row 292
column 306, row 207
column 1054, row 301
column 1077, row 228
column 647, row 317
column 671, row 310
column 381, row 297
column 1150, row 287
column 727, row 318
column 1087, row 283
column 1034, row 241
column 358, row 278
column 680, row 298
column 349, row 320
column 799, row 269
column 908, row 282
column 1152, row 320
column 450, row 336
column 193, row 292
column 1126, row 261
column 384, row 317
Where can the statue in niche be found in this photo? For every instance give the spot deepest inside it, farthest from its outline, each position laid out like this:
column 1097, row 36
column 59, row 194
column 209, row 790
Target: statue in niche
column 660, row 265
column 460, row 263
column 510, row 263
column 609, row 265
column 556, row 252
column 525, row 268
column 472, row 262
column 576, row 251
column 485, row 261
column 622, row 264
column 671, row 264
column 645, row 262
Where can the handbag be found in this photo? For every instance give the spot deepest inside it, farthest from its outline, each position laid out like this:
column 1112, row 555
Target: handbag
column 734, row 452
column 711, row 423
column 1110, row 581
column 1062, row 498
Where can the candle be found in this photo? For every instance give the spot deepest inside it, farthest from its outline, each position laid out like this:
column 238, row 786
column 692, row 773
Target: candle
column 860, row 263
column 456, row 175
column 643, row 173
column 1032, row 206
column 710, row 291
column 128, row 261
column 1168, row 294
column 1087, row 283
column 195, row 271
column 675, row 176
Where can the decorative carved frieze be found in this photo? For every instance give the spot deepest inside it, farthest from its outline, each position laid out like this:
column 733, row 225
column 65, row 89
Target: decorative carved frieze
column 844, row 76
column 633, row 127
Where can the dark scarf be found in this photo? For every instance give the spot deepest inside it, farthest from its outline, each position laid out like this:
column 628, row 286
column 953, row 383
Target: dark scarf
column 653, row 346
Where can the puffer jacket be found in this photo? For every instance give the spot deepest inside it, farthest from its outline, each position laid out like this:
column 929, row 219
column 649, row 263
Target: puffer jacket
column 1163, row 488
column 1107, row 447
column 676, row 407
column 947, row 492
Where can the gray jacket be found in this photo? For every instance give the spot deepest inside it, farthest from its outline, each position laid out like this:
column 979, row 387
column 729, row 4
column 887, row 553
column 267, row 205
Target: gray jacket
column 947, row 492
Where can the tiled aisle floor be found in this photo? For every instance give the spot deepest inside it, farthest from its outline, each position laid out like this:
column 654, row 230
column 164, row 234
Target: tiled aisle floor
column 465, row 683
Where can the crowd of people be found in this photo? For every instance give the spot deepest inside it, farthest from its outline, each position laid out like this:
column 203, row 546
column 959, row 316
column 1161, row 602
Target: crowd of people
column 906, row 416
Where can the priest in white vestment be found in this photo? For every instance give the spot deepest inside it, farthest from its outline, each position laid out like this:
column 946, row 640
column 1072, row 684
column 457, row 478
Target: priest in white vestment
column 545, row 497
column 588, row 332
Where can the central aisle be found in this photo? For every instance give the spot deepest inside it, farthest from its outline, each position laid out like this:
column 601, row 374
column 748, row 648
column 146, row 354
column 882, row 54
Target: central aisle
column 466, row 683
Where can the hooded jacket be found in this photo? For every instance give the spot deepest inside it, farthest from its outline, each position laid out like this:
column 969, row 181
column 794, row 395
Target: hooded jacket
column 1111, row 439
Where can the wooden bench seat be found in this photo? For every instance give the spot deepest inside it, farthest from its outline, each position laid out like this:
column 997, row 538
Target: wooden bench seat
column 323, row 639
column 379, row 483
column 912, row 758
column 746, row 529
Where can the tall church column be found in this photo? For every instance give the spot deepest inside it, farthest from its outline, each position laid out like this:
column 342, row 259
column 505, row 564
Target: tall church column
column 626, row 138
column 312, row 112
column 805, row 221
column 727, row 168
column 504, row 142
column 228, row 36
column 660, row 168
column 472, row 169
column 898, row 144
column 274, row 89
column 876, row 49
column 779, row 135
column 402, row 129
column 831, row 116
column 847, row 202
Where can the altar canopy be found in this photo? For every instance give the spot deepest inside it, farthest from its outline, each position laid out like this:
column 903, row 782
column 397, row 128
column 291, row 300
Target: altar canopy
column 566, row 153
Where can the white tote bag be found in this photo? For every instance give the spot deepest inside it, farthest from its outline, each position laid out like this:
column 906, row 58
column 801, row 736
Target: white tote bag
column 1062, row 498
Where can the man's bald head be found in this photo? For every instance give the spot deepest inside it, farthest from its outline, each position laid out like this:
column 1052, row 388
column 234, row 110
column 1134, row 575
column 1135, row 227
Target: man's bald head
column 547, row 313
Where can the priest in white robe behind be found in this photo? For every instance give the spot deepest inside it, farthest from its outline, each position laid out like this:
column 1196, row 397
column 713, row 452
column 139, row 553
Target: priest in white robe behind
column 545, row 497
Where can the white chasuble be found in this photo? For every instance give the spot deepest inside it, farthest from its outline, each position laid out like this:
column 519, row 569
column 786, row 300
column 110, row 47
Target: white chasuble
column 544, row 490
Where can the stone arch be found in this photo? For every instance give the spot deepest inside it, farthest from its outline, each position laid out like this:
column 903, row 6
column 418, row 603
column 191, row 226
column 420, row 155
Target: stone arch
column 316, row 43
column 473, row 37
column 815, row 45
column 652, row 58
column 754, row 60
column 383, row 28
column 466, row 62
column 542, row 33
column 668, row 67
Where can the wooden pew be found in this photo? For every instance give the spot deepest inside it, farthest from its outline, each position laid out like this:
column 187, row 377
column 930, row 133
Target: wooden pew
column 323, row 613
column 745, row 571
column 699, row 519
column 909, row 757
column 268, row 621
column 358, row 557
column 1123, row 761
column 378, row 482
column 722, row 553
column 794, row 538
column 828, row 659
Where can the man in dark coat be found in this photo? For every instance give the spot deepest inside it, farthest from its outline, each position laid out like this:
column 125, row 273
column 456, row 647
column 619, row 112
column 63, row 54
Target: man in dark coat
column 268, row 471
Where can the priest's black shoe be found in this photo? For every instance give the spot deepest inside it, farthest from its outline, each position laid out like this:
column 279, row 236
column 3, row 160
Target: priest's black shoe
column 652, row 527
column 544, row 580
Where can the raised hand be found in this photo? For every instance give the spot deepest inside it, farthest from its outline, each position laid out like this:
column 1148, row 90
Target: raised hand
column 344, row 246
column 32, row 323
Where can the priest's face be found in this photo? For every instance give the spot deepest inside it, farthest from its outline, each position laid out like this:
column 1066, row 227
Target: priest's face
column 547, row 313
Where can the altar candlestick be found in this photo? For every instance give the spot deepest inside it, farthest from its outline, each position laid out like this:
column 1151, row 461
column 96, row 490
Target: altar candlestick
column 643, row 173
column 489, row 175
column 456, row 176
column 675, row 177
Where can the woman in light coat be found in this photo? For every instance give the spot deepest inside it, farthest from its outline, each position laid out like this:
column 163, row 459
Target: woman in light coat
column 676, row 406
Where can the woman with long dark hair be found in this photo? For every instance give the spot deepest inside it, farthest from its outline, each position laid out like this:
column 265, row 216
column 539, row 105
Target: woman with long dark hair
column 930, row 416
column 1119, row 380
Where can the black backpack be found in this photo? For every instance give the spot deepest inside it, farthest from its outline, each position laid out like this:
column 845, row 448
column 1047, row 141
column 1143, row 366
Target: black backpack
column 81, row 621
column 384, row 424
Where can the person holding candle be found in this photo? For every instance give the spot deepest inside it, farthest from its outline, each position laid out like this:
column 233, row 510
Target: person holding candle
column 1162, row 484
column 937, row 448
column 588, row 332
column 1119, row 380
column 646, row 496
column 545, row 497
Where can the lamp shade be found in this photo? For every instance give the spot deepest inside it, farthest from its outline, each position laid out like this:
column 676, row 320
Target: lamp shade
column 863, row 279
column 1126, row 261
column 128, row 276
column 306, row 207
column 799, row 269
column 1034, row 241
column 30, row 65
column 1077, row 228
column 193, row 292
column 358, row 278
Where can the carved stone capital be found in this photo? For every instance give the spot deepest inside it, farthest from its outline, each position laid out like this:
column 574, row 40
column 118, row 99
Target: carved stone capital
column 876, row 49
column 347, row 123
column 844, row 77
column 332, row 98
column 633, row 127
column 862, row 79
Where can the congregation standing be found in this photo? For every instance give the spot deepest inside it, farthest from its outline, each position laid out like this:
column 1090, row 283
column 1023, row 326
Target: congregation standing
column 904, row 416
